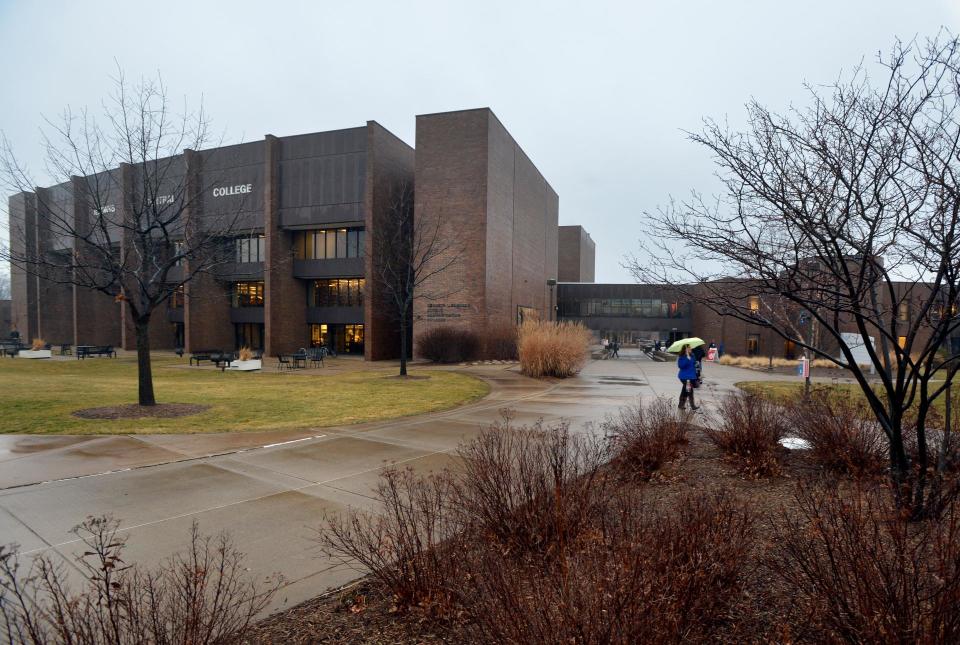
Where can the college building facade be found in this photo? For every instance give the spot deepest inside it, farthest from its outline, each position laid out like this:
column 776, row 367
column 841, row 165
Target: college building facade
column 297, row 269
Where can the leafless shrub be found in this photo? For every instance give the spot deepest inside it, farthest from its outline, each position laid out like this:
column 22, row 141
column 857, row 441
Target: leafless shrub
column 532, row 489
column 448, row 345
column 748, row 429
column 201, row 596
column 549, row 348
column 412, row 546
column 843, row 434
column 649, row 575
column 861, row 572
column 644, row 437
column 500, row 343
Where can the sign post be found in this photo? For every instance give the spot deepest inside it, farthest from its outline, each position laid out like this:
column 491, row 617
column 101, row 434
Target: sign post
column 803, row 371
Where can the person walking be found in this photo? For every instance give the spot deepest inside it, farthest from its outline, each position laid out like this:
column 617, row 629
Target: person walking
column 687, row 366
column 615, row 347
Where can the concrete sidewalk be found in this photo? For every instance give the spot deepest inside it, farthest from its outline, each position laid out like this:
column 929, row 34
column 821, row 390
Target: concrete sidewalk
column 269, row 490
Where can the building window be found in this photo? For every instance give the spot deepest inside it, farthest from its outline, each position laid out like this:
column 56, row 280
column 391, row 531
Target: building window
column 176, row 298
column 621, row 308
column 178, row 251
column 248, row 335
column 754, row 302
column 329, row 244
column 341, row 292
column 903, row 311
column 250, row 249
column 248, row 294
column 753, row 344
column 342, row 339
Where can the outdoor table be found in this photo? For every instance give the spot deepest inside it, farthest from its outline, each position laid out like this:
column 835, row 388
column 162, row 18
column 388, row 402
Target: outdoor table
column 299, row 360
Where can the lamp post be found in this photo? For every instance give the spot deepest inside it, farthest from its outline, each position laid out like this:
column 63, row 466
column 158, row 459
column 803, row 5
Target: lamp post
column 552, row 283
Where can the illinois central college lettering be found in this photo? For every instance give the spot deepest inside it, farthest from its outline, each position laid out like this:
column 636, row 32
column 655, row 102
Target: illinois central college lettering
column 239, row 189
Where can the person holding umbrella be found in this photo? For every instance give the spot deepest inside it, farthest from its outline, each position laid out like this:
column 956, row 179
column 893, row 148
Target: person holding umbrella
column 687, row 369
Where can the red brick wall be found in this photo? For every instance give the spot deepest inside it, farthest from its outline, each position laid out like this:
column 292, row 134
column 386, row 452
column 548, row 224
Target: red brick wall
column 285, row 297
column 471, row 172
column 451, row 172
column 23, row 286
column 390, row 166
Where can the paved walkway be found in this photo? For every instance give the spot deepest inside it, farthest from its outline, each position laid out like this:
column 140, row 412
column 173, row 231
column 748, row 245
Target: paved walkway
column 269, row 490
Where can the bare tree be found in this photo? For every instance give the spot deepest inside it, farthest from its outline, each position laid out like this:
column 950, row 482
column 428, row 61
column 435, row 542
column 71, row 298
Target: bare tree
column 408, row 257
column 843, row 216
column 126, row 219
column 4, row 286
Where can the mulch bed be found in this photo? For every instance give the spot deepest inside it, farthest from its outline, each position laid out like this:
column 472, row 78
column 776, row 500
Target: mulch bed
column 134, row 411
column 365, row 613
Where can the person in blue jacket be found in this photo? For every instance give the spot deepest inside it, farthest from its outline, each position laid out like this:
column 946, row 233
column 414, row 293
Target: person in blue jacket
column 687, row 365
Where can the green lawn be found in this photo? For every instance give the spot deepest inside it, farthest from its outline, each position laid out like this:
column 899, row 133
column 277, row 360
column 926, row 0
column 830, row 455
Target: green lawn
column 38, row 396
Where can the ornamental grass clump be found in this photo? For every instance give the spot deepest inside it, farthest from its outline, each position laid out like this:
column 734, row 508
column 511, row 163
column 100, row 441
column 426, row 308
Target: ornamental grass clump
column 245, row 354
column 38, row 344
column 549, row 348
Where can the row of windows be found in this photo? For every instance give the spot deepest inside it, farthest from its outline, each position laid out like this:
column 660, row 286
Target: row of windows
column 329, row 244
column 627, row 307
column 250, row 249
column 346, row 292
column 248, row 294
column 336, row 293
column 343, row 339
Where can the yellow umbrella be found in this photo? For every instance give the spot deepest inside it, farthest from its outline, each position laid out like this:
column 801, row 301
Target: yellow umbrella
column 692, row 342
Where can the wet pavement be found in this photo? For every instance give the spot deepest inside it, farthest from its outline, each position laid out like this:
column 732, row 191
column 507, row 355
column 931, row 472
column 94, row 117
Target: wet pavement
column 270, row 489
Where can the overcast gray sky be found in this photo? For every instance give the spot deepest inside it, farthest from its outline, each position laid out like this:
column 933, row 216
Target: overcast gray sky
column 596, row 93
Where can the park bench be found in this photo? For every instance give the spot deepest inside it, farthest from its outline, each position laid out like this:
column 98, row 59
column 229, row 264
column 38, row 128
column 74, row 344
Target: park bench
column 204, row 355
column 222, row 359
column 95, row 350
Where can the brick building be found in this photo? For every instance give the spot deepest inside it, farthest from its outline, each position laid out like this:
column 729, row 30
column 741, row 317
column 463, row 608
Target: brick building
column 294, row 272
column 577, row 255
column 296, row 269
column 472, row 173
column 644, row 313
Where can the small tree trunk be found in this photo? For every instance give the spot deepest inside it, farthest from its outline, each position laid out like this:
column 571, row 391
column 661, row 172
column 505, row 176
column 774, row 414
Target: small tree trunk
column 403, row 346
column 144, row 370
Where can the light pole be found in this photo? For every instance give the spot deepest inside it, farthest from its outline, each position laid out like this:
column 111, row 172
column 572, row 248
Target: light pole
column 552, row 283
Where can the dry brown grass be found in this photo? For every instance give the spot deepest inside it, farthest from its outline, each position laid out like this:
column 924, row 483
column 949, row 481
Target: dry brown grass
column 553, row 348
column 38, row 344
column 245, row 354
column 759, row 362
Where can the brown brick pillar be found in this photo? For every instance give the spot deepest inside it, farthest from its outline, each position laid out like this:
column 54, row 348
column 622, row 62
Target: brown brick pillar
column 128, row 336
column 285, row 297
column 23, row 285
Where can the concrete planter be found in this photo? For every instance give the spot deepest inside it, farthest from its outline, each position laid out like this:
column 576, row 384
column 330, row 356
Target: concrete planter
column 38, row 353
column 245, row 366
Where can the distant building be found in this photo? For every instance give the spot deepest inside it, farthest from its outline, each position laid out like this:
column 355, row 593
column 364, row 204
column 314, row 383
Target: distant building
column 577, row 254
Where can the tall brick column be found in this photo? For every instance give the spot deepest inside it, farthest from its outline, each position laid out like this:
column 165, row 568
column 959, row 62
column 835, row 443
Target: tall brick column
column 285, row 297
column 23, row 285
column 96, row 316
